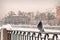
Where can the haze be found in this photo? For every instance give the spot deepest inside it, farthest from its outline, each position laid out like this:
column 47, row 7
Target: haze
column 27, row 6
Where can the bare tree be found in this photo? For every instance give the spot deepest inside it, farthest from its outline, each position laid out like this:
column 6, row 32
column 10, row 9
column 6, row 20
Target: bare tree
column 43, row 16
column 51, row 19
column 20, row 13
column 50, row 16
column 11, row 13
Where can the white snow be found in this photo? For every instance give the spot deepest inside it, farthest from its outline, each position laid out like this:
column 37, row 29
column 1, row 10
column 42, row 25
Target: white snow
column 9, row 27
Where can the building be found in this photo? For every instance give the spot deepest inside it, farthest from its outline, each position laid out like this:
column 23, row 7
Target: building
column 16, row 20
column 58, row 14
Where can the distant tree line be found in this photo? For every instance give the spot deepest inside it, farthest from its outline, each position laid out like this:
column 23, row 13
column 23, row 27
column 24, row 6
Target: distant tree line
column 46, row 17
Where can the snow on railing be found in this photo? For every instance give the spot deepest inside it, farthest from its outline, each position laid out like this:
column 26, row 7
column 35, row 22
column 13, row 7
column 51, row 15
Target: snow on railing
column 19, row 33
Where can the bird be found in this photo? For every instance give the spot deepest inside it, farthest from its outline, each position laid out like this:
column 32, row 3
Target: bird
column 40, row 26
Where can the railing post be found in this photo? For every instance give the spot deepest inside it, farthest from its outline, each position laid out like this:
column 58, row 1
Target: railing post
column 36, row 36
column 9, row 35
column 24, row 37
column 55, row 37
column 4, row 35
column 26, row 33
column 42, row 36
column 46, row 37
column 39, row 36
column 12, row 35
column 31, row 36
column 28, row 36
column 15, row 35
column 18, row 36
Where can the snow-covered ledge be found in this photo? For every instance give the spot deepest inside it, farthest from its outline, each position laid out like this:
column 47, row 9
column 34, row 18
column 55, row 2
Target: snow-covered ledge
column 30, row 31
column 47, row 28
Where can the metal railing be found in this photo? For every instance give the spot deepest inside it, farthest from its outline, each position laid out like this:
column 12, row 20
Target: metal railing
column 31, row 35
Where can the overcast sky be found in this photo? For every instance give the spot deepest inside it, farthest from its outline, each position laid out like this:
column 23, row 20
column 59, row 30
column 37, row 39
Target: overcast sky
column 27, row 5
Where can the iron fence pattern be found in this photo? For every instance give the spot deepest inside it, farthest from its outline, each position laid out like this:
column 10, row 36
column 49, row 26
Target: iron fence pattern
column 25, row 35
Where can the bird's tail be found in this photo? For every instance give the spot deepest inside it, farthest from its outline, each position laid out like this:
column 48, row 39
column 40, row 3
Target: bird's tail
column 42, row 30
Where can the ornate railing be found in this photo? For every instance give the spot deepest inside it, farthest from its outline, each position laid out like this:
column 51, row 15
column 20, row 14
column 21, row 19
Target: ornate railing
column 25, row 35
column 28, row 35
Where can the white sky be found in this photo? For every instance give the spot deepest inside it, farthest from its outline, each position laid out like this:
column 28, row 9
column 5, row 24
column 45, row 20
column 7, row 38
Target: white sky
column 27, row 5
